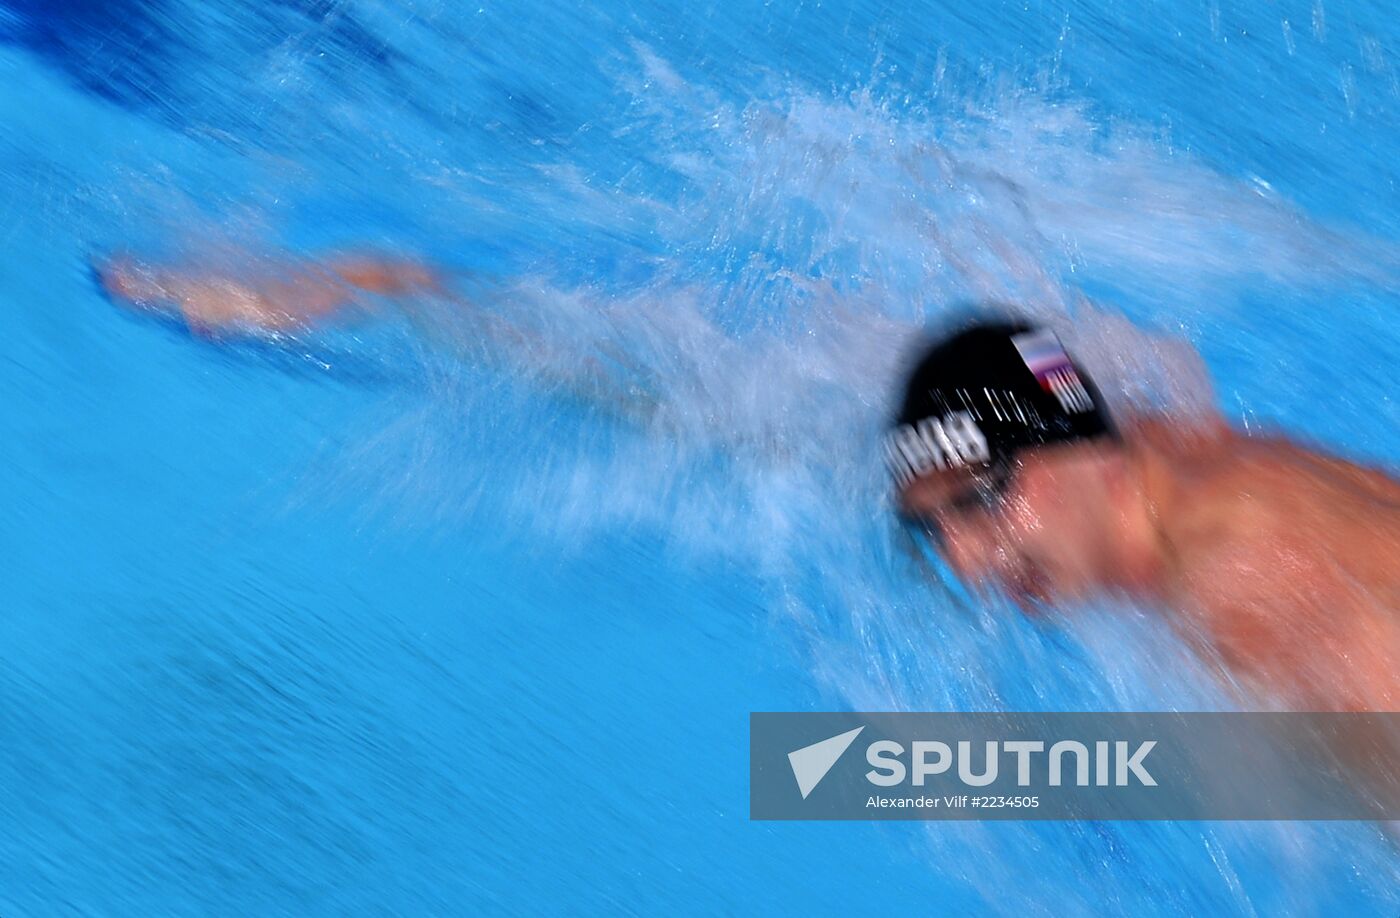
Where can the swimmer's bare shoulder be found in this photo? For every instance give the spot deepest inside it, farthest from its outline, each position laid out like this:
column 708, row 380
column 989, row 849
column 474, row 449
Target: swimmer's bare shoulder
column 1287, row 561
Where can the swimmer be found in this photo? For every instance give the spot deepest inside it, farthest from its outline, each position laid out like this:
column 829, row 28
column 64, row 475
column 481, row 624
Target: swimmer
column 1280, row 562
column 1283, row 562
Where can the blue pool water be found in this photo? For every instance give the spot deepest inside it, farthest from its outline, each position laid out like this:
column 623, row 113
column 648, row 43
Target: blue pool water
column 378, row 620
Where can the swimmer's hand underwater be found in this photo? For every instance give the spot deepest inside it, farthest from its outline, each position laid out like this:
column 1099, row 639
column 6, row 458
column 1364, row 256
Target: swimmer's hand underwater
column 1280, row 562
column 283, row 298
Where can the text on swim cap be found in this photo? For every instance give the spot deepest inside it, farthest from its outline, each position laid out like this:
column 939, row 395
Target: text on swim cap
column 933, row 443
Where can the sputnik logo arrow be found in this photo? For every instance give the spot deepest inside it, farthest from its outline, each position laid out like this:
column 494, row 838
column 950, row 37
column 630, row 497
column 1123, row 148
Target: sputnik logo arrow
column 811, row 763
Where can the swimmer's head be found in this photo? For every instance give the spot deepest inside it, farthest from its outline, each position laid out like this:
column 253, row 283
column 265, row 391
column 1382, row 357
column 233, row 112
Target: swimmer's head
column 979, row 397
column 1003, row 449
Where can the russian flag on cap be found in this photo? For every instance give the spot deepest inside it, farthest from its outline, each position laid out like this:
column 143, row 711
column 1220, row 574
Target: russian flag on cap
column 1051, row 366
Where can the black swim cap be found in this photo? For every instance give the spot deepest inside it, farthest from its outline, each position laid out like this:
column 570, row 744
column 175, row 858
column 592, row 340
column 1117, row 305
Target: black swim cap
column 978, row 397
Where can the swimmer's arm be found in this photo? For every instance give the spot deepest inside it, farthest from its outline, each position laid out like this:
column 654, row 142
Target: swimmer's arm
column 289, row 298
column 276, row 299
